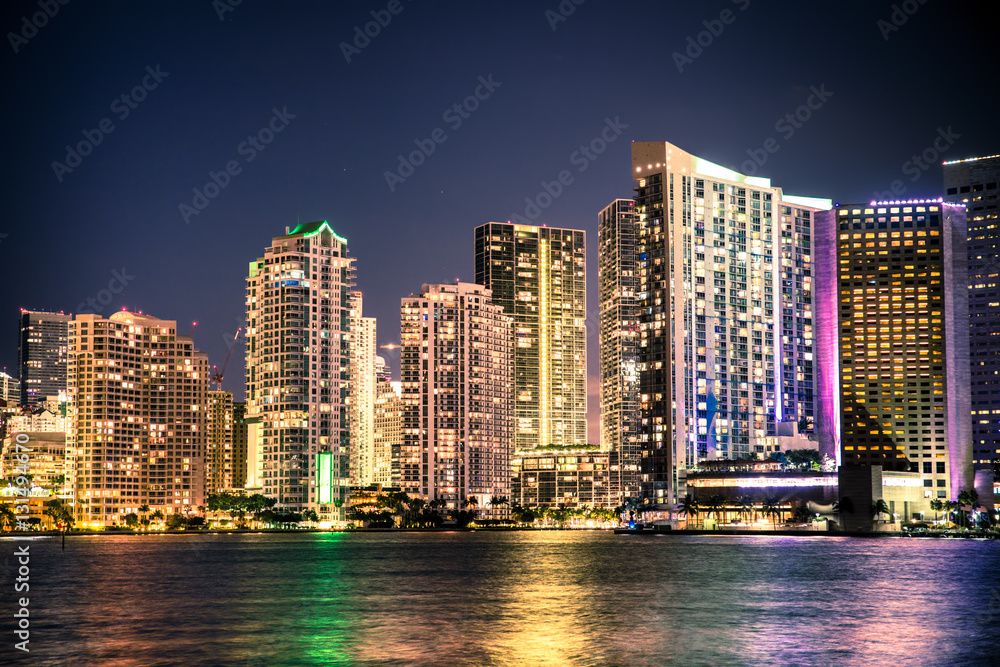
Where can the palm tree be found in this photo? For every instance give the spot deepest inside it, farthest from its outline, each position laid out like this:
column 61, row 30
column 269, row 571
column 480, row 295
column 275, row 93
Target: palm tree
column 771, row 507
column 842, row 507
column 472, row 502
column 716, row 503
column 745, row 505
column 62, row 516
column 158, row 515
column 689, row 507
column 937, row 506
column 143, row 511
column 878, row 508
column 7, row 517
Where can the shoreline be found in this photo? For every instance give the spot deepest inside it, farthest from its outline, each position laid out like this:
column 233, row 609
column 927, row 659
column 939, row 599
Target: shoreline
column 617, row 531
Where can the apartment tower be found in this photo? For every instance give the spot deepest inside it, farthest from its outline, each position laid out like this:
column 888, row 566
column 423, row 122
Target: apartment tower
column 618, row 288
column 725, row 333
column 138, row 399
column 41, row 355
column 537, row 275
column 361, row 393
column 456, row 368
column 298, row 364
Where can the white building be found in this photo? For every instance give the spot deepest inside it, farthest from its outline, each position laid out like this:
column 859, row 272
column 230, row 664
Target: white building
column 361, row 394
column 726, row 333
column 298, row 298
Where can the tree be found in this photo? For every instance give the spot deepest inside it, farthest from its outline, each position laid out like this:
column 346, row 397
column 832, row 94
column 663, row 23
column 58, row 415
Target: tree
column 878, row 508
column 745, row 505
column 463, row 518
column 472, row 502
column 62, row 516
column 689, row 507
column 158, row 515
column 132, row 520
column 310, row 515
column 937, row 506
column 175, row 521
column 143, row 511
column 7, row 517
column 771, row 507
column 842, row 507
column 716, row 503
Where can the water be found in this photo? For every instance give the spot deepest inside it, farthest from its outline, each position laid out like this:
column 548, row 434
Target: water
column 517, row 598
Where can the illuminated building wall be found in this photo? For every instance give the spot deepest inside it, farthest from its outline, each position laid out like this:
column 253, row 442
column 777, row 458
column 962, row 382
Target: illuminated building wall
column 726, row 330
column 41, row 355
column 618, row 286
column 538, row 276
column 138, row 402
column 361, row 394
column 226, row 457
column 974, row 183
column 298, row 365
column 388, row 430
column 456, row 368
column 574, row 477
column 901, row 338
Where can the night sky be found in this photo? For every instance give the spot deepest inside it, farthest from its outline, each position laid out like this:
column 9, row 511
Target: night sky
column 554, row 82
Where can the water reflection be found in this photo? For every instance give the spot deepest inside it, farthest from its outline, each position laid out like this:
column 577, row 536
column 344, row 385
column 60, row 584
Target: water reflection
column 546, row 598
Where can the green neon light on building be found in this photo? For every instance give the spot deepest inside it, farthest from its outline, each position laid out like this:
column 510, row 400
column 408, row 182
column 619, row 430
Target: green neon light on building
column 324, row 477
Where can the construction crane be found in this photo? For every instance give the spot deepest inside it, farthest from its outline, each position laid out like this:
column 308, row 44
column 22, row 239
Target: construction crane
column 218, row 375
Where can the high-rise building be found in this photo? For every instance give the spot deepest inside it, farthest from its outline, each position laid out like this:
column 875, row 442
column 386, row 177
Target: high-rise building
column 538, row 276
column 456, row 368
column 361, row 393
column 618, row 288
column 138, row 399
column 893, row 349
column 221, row 463
column 298, row 334
column 388, row 431
column 240, row 432
column 10, row 390
column 725, row 345
column 974, row 182
column 382, row 372
column 41, row 355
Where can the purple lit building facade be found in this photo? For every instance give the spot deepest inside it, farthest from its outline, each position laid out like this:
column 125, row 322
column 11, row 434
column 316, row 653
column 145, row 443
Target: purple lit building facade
column 892, row 344
column 974, row 182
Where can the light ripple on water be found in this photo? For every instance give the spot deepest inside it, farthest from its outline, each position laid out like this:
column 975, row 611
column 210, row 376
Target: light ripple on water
column 516, row 598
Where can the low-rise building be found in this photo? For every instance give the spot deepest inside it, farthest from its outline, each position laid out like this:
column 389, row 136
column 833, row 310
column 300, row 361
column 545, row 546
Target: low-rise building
column 574, row 477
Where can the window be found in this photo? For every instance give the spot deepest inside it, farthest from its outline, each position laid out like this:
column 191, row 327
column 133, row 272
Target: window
column 940, row 467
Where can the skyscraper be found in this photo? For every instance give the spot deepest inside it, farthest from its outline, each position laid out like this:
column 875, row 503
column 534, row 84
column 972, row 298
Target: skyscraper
column 225, row 460
column 974, row 182
column 138, row 396
column 388, row 432
column 726, row 316
column 618, row 287
column 893, row 353
column 361, row 393
column 456, row 369
column 298, row 302
column 41, row 355
column 538, row 276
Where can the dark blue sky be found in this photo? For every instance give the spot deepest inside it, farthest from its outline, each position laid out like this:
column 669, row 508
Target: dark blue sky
column 119, row 208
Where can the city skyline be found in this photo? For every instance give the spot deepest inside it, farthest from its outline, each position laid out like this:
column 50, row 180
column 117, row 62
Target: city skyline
column 329, row 159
